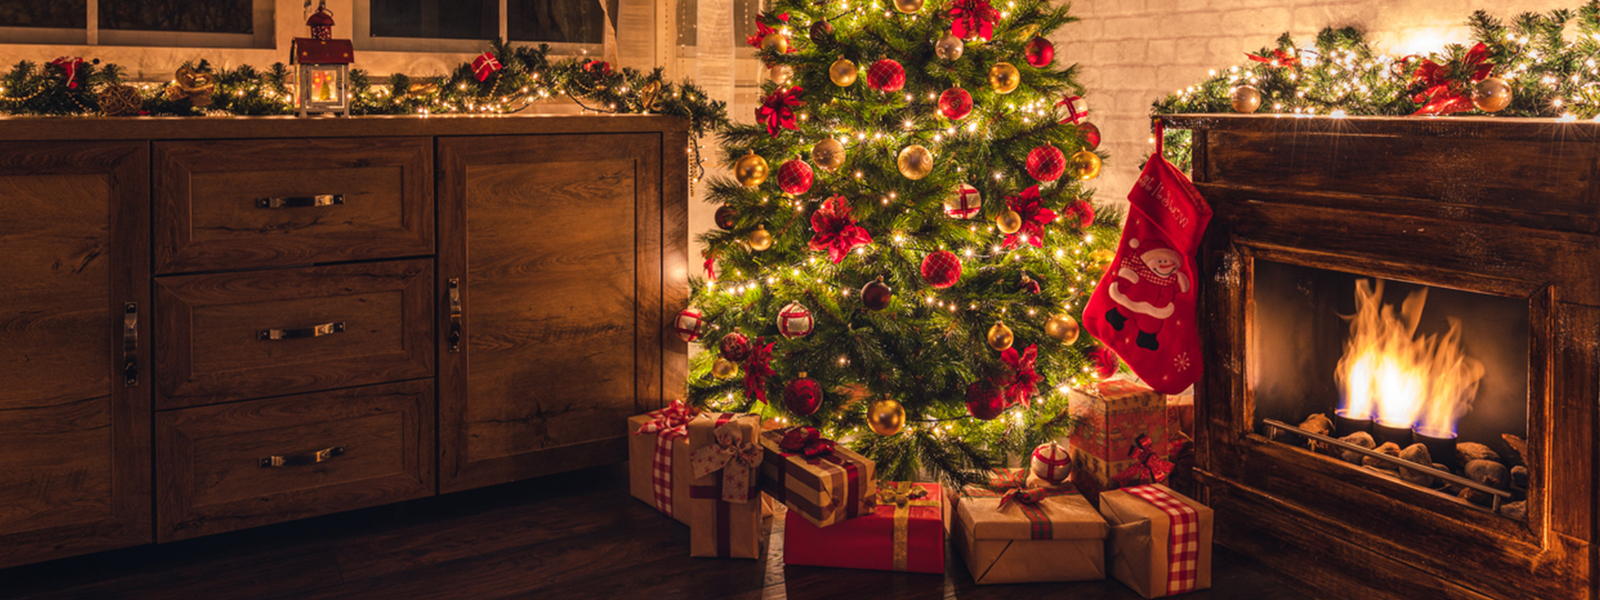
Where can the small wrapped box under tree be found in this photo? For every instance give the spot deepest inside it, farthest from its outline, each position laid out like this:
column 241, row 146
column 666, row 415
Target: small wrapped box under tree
column 1160, row 540
column 905, row 532
column 725, row 508
column 1016, row 531
column 658, row 459
column 1123, row 423
column 821, row 481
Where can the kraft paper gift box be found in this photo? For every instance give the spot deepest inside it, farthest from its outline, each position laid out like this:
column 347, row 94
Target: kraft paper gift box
column 904, row 532
column 1012, row 532
column 658, row 459
column 1160, row 540
column 725, row 508
column 821, row 481
column 1114, row 415
column 1180, row 415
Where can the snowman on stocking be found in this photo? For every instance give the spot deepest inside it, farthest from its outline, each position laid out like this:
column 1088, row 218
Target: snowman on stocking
column 1144, row 290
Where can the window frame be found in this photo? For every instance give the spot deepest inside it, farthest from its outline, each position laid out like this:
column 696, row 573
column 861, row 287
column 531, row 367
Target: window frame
column 263, row 25
column 361, row 36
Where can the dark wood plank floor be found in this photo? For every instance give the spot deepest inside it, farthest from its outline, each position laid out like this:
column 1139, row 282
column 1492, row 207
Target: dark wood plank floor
column 578, row 535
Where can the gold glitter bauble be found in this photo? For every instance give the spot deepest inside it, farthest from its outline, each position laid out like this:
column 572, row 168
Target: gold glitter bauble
column 1000, row 337
column 760, row 239
column 1063, row 328
column 775, row 42
column 886, row 417
column 1008, row 221
column 828, row 154
column 1246, row 99
column 1084, row 165
column 750, row 170
column 915, row 162
column 949, row 47
column 842, row 72
column 1491, row 95
column 1004, row 78
column 908, row 6
column 723, row 368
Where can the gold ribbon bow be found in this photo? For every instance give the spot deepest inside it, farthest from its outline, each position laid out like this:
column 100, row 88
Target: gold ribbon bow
column 738, row 460
column 903, row 495
column 194, row 84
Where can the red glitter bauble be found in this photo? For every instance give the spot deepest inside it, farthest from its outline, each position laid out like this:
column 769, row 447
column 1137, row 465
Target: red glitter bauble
column 941, row 269
column 1091, row 135
column 802, row 396
column 734, row 347
column 1039, row 52
column 1047, row 163
column 795, row 177
column 955, row 103
column 886, row 76
column 985, row 401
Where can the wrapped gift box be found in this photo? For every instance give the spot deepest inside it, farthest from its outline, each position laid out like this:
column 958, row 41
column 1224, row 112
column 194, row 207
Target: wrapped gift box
column 905, row 532
column 1180, row 415
column 658, row 459
column 1160, row 540
column 724, row 506
column 1017, row 533
column 1114, row 415
column 821, row 481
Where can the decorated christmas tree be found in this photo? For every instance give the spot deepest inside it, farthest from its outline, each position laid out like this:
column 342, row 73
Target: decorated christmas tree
column 904, row 252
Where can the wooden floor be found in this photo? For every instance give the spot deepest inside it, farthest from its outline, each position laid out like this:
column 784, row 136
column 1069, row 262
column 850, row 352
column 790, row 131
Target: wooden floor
column 578, row 535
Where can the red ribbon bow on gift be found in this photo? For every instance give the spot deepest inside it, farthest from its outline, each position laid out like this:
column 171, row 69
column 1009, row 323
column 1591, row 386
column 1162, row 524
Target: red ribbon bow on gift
column 1023, row 380
column 806, row 441
column 484, row 65
column 1440, row 94
column 1150, row 468
column 1034, row 218
column 837, row 231
column 673, row 415
column 762, row 31
column 1276, row 58
column 69, row 66
column 972, row 18
column 777, row 109
column 737, row 459
column 757, row 370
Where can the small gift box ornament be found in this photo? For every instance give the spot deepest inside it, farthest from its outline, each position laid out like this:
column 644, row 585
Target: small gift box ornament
column 1013, row 532
column 1122, row 434
column 904, row 532
column 1160, row 540
column 817, row 479
column 1051, row 462
column 658, row 459
column 724, row 508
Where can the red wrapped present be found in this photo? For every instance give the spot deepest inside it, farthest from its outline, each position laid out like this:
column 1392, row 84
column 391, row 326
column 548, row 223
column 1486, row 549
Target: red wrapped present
column 658, row 459
column 1016, row 530
column 1160, row 540
column 824, row 482
column 724, row 506
column 1122, row 436
column 905, row 532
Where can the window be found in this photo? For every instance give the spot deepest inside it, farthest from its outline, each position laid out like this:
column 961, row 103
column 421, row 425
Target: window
column 744, row 18
column 214, row 23
column 464, row 25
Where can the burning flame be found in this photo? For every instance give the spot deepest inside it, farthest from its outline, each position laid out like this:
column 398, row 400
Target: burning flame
column 1389, row 375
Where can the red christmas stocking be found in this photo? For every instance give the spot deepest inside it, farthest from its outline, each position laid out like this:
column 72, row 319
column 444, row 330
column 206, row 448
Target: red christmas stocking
column 1144, row 306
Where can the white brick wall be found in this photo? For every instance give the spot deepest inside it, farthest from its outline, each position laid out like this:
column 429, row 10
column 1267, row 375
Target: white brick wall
column 1133, row 51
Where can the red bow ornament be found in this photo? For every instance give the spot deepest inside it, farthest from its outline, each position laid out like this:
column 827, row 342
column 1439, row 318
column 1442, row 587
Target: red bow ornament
column 485, row 65
column 673, row 416
column 973, row 19
column 1034, row 218
column 738, row 460
column 1440, row 94
column 807, row 442
column 711, row 265
column 837, row 231
column 1150, row 468
column 757, row 370
column 1276, row 58
column 69, row 66
column 777, row 109
column 1024, row 380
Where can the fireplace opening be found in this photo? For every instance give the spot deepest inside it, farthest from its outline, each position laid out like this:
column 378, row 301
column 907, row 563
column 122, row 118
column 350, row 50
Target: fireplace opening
column 1419, row 384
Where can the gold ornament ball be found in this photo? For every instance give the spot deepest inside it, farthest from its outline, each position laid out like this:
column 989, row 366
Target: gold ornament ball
column 828, row 154
column 1000, row 337
column 1491, row 95
column 915, row 162
column 750, row 170
column 1008, row 221
column 908, row 6
column 760, row 239
column 842, row 72
column 1085, row 165
column 1063, row 328
column 724, row 369
column 1004, row 78
column 1246, row 99
column 949, row 47
column 775, row 42
column 886, row 417
column 781, row 74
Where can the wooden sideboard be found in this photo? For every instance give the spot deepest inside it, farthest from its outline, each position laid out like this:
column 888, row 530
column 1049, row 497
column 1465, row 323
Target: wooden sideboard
column 213, row 324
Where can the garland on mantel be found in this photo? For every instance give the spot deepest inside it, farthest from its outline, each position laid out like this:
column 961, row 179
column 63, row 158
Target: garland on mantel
column 1550, row 62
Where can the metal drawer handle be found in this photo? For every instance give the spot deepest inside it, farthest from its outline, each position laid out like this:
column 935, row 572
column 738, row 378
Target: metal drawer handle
column 295, row 460
column 304, row 332
column 453, row 338
column 300, row 201
column 130, row 344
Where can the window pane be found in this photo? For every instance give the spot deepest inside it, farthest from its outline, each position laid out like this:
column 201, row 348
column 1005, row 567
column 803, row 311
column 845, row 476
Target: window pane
column 72, row 14
column 744, row 21
column 209, row 16
column 448, row 19
column 571, row 21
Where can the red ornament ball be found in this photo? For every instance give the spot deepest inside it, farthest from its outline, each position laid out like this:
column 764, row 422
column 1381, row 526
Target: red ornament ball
column 1039, row 52
column 1051, row 462
column 802, row 396
column 734, row 347
column 688, row 324
column 795, row 320
column 726, row 218
column 876, row 295
column 985, row 401
column 886, row 76
column 941, row 269
column 795, row 177
column 1078, row 213
column 1091, row 135
column 955, row 103
column 1047, row 163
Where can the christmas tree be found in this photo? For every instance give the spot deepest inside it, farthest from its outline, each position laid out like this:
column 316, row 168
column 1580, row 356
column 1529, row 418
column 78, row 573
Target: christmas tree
column 910, row 276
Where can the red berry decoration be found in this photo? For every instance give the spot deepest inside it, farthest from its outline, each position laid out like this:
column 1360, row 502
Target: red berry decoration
column 985, row 401
column 886, row 76
column 941, row 269
column 734, row 347
column 1091, row 135
column 688, row 324
column 726, row 218
column 1047, row 163
column 876, row 295
column 1039, row 52
column 795, row 177
column 955, row 103
column 795, row 320
column 802, row 396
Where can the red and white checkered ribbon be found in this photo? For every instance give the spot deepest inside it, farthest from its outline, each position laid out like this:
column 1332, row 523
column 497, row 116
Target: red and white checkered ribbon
column 1183, row 543
column 668, row 424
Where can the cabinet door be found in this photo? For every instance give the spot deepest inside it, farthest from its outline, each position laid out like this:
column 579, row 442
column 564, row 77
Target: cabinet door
column 552, row 245
column 74, row 349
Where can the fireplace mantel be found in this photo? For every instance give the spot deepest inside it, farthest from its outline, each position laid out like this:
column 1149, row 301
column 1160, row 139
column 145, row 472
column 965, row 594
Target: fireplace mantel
column 1503, row 207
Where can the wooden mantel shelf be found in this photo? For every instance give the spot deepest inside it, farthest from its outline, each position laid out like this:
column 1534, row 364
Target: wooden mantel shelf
column 1498, row 128
column 201, row 128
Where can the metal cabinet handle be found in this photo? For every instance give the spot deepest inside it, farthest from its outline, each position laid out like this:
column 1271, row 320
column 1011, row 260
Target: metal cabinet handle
column 300, row 201
column 295, row 460
column 130, row 344
column 304, row 332
column 454, row 336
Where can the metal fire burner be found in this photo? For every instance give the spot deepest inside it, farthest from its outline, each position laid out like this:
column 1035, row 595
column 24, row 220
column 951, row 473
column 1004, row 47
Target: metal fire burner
column 1495, row 495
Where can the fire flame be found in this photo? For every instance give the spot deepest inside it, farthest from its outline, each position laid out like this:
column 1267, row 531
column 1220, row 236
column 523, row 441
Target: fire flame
column 1390, row 375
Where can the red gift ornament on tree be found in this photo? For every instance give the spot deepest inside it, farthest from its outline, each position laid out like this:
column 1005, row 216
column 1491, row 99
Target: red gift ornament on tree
column 973, row 19
column 836, row 230
column 777, row 109
column 955, row 103
column 1047, row 163
column 688, row 324
column 941, row 269
column 886, row 76
column 484, row 65
column 1039, row 52
column 964, row 203
column 1034, row 217
column 795, row 177
column 795, row 320
column 1077, row 112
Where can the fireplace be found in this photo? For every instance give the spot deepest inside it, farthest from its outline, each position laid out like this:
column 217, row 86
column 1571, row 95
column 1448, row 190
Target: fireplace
column 1430, row 283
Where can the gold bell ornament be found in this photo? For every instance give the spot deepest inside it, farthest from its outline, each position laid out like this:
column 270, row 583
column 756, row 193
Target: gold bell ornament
column 886, row 417
column 915, row 162
column 750, row 170
column 1062, row 327
column 1004, row 78
column 842, row 72
column 760, row 239
column 828, row 154
column 1000, row 337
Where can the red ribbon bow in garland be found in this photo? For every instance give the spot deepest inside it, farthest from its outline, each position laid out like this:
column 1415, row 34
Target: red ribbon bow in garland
column 837, row 231
column 69, row 65
column 484, row 65
column 673, row 415
column 1150, row 468
column 757, row 370
column 599, row 68
column 777, row 109
column 762, row 31
column 1276, row 58
column 1034, row 218
column 1440, row 94
column 1023, row 379
column 973, row 19
column 806, row 441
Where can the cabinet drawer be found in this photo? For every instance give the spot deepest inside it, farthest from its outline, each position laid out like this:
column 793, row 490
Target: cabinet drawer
column 230, row 336
column 231, row 204
column 232, row 466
